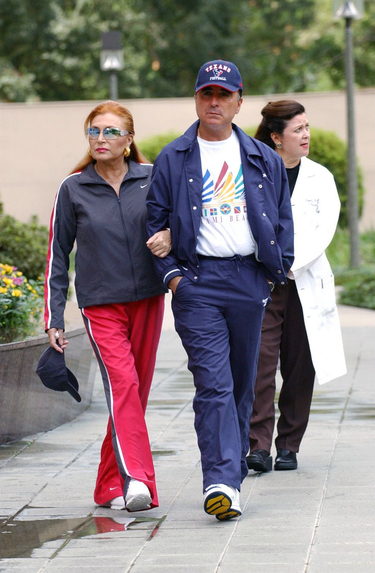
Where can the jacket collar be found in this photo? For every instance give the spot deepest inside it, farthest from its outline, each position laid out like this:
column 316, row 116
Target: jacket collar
column 187, row 140
column 307, row 167
column 136, row 171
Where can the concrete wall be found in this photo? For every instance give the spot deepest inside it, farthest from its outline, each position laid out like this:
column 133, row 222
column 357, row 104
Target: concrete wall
column 41, row 142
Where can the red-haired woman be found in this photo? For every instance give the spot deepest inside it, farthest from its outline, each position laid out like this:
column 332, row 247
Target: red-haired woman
column 102, row 206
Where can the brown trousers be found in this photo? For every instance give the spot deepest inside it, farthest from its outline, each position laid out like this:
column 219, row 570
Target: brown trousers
column 284, row 335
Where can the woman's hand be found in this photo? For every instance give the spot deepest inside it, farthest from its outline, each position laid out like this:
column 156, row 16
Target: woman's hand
column 160, row 244
column 57, row 335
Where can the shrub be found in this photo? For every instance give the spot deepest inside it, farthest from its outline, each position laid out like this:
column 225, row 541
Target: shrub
column 152, row 146
column 21, row 304
column 359, row 286
column 23, row 244
column 367, row 246
column 329, row 150
column 338, row 252
column 359, row 283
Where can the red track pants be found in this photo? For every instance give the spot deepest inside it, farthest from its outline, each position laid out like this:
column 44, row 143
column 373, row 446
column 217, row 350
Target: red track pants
column 125, row 338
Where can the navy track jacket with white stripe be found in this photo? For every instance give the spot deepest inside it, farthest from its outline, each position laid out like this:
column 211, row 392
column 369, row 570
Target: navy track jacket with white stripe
column 175, row 201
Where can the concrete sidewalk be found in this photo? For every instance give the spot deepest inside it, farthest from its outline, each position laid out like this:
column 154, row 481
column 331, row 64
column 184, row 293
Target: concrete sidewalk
column 317, row 519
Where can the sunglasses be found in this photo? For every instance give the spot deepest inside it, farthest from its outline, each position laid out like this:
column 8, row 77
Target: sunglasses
column 108, row 132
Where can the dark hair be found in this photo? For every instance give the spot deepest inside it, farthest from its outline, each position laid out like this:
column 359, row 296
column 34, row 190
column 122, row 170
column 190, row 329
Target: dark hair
column 276, row 115
column 116, row 108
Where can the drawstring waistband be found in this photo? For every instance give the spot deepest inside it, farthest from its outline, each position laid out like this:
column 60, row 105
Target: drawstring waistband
column 240, row 259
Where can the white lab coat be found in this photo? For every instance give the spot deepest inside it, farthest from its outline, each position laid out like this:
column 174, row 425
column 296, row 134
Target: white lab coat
column 316, row 207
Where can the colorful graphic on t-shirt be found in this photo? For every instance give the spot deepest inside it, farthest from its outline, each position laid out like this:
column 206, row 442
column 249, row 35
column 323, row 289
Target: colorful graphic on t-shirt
column 226, row 196
column 224, row 228
column 225, row 209
column 227, row 189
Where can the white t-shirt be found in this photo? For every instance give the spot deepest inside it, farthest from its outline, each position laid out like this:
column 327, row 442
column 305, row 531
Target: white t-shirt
column 224, row 230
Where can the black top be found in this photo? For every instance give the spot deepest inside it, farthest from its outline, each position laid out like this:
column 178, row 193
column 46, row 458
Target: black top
column 292, row 174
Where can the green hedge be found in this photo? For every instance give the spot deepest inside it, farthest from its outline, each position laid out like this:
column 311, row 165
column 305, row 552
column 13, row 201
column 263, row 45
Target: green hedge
column 359, row 286
column 326, row 148
column 152, row 146
column 338, row 252
column 23, row 245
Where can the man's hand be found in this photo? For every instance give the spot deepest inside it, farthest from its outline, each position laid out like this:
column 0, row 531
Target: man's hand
column 173, row 283
column 160, row 244
column 57, row 335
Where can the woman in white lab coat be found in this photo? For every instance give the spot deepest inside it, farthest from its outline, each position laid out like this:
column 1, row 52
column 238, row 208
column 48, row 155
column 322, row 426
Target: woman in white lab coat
column 301, row 325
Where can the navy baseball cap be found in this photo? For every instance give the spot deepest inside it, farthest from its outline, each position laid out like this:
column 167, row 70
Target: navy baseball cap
column 219, row 73
column 55, row 375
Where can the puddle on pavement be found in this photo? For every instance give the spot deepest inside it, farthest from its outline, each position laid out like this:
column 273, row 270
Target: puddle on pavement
column 10, row 449
column 170, row 404
column 323, row 404
column 159, row 453
column 20, row 538
column 360, row 412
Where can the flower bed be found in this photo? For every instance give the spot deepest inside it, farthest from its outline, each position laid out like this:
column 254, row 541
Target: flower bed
column 26, row 406
column 21, row 304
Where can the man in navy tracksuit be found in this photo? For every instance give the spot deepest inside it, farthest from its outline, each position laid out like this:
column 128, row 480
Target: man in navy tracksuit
column 225, row 198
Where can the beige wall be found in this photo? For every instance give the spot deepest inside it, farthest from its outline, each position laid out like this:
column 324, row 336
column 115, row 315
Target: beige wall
column 41, row 142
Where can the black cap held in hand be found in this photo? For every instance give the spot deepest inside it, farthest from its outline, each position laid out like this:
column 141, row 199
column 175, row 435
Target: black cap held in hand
column 55, row 375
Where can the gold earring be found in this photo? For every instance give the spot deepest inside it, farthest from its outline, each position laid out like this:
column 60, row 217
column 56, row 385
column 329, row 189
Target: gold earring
column 89, row 151
column 278, row 145
column 126, row 151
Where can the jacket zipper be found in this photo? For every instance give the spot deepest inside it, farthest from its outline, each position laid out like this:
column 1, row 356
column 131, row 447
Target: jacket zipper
column 128, row 247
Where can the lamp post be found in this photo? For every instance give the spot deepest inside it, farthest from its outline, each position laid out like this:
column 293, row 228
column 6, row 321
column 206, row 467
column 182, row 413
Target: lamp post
column 351, row 11
column 112, row 59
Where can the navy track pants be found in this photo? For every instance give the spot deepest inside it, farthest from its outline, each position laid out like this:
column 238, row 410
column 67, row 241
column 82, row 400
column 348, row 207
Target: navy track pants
column 219, row 321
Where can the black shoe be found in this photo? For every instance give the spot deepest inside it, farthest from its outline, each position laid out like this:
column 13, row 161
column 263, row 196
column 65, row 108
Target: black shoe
column 286, row 460
column 259, row 460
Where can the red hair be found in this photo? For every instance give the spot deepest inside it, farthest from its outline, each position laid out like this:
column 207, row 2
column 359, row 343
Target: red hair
column 116, row 108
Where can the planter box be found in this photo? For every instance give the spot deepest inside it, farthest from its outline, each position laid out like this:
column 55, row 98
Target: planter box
column 26, row 405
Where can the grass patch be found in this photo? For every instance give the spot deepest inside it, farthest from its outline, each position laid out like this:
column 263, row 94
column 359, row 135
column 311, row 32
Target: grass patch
column 359, row 287
column 359, row 284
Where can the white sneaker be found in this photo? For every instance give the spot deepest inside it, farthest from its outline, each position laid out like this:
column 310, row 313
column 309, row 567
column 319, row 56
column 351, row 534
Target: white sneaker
column 222, row 500
column 117, row 503
column 138, row 496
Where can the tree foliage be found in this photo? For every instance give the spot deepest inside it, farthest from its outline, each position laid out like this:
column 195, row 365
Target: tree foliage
column 50, row 49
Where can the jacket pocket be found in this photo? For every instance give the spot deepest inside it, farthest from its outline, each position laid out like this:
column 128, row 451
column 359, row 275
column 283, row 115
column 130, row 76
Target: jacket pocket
column 179, row 284
column 325, row 291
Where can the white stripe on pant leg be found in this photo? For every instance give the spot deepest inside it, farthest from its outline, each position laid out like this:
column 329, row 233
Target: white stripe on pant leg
column 110, row 390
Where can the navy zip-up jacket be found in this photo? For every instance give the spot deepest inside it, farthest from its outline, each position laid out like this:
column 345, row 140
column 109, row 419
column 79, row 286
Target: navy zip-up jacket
column 112, row 263
column 175, row 201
